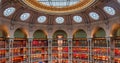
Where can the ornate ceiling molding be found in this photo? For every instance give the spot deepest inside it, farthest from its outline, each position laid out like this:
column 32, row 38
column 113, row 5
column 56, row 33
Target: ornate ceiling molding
column 54, row 10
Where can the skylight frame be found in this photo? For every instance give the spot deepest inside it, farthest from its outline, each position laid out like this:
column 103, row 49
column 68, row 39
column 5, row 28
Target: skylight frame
column 58, row 3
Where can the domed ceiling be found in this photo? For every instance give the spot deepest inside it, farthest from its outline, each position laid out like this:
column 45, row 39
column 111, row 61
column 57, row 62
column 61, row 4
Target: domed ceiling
column 59, row 6
column 59, row 12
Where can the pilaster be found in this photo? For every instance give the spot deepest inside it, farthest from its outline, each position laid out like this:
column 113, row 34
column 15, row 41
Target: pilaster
column 29, row 46
column 90, row 44
column 110, row 51
column 10, row 46
column 70, row 50
column 50, row 50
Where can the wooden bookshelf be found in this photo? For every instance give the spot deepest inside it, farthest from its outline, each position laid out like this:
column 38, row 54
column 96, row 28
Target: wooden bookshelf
column 100, row 50
column 60, row 51
column 80, row 50
column 39, row 50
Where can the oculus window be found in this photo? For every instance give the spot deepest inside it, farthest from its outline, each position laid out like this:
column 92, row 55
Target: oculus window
column 41, row 19
column 24, row 16
column 77, row 19
column 9, row 11
column 109, row 10
column 59, row 20
column 94, row 15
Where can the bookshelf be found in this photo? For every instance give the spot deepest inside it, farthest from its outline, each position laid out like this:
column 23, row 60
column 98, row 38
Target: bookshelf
column 39, row 49
column 60, row 48
column 3, row 47
column 19, row 47
column 100, row 47
column 80, row 47
column 116, row 46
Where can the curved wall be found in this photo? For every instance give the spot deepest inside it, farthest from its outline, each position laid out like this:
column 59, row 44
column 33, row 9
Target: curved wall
column 108, row 25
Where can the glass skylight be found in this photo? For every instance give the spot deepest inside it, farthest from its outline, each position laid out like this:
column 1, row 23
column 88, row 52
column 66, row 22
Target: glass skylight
column 41, row 19
column 58, row 3
column 9, row 11
column 59, row 20
column 94, row 15
column 24, row 16
column 109, row 10
column 77, row 19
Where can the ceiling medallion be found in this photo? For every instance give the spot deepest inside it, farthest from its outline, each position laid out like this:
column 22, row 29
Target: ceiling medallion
column 59, row 6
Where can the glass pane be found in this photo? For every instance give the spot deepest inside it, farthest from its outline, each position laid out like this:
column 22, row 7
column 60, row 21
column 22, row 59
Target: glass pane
column 109, row 10
column 77, row 19
column 94, row 15
column 9, row 11
column 41, row 19
column 24, row 16
column 58, row 3
column 59, row 20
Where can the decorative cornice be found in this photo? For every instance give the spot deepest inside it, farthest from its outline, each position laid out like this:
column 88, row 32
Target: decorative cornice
column 54, row 10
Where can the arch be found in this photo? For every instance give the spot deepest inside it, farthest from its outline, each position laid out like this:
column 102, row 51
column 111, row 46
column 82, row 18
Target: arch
column 99, row 33
column 60, row 32
column 3, row 31
column 80, row 34
column 115, row 30
column 117, row 33
column 20, row 33
column 3, row 34
column 39, row 34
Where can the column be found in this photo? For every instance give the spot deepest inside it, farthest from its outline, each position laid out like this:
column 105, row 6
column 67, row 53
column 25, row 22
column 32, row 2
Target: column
column 112, row 48
column 110, row 51
column 49, row 50
column 69, row 50
column 90, row 60
column 29, row 46
column 10, row 46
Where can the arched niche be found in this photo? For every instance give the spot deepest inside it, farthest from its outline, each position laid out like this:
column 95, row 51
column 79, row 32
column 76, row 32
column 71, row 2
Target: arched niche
column 3, row 34
column 80, row 34
column 3, row 31
column 60, row 45
column 60, row 32
column 115, row 30
column 117, row 33
column 40, row 44
column 80, row 38
column 100, row 33
column 20, row 33
column 39, row 34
